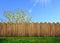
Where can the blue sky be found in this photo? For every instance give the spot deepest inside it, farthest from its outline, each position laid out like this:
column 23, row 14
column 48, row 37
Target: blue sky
column 40, row 10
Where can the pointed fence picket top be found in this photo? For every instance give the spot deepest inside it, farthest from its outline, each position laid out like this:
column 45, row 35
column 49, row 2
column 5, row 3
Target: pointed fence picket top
column 30, row 29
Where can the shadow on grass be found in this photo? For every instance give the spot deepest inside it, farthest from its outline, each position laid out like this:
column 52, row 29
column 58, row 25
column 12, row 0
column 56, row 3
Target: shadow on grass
column 2, row 40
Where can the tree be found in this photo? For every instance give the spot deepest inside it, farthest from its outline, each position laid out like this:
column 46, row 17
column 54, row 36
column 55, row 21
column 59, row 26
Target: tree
column 18, row 17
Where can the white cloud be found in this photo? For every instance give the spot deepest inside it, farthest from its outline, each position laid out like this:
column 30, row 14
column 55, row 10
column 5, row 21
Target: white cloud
column 44, row 3
column 30, row 10
column 37, row 2
column 41, row 1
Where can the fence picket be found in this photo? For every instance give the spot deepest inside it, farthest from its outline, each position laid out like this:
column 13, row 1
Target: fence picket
column 30, row 29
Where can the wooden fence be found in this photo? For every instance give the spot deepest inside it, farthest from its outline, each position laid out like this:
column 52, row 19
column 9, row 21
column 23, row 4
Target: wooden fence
column 29, row 29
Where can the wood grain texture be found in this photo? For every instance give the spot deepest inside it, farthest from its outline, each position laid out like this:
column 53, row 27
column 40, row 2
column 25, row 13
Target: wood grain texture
column 30, row 29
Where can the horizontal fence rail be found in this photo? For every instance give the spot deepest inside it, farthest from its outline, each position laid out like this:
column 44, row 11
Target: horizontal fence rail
column 30, row 29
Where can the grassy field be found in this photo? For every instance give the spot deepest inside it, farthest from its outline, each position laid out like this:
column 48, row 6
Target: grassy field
column 29, row 39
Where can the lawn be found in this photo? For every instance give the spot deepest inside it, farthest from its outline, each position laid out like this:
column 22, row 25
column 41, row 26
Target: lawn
column 29, row 39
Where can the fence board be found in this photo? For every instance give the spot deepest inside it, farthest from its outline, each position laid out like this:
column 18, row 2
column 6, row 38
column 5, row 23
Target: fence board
column 53, row 27
column 57, row 32
column 30, row 29
column 1, row 26
column 38, row 29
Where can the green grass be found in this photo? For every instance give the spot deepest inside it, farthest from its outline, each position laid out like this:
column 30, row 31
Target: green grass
column 29, row 39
